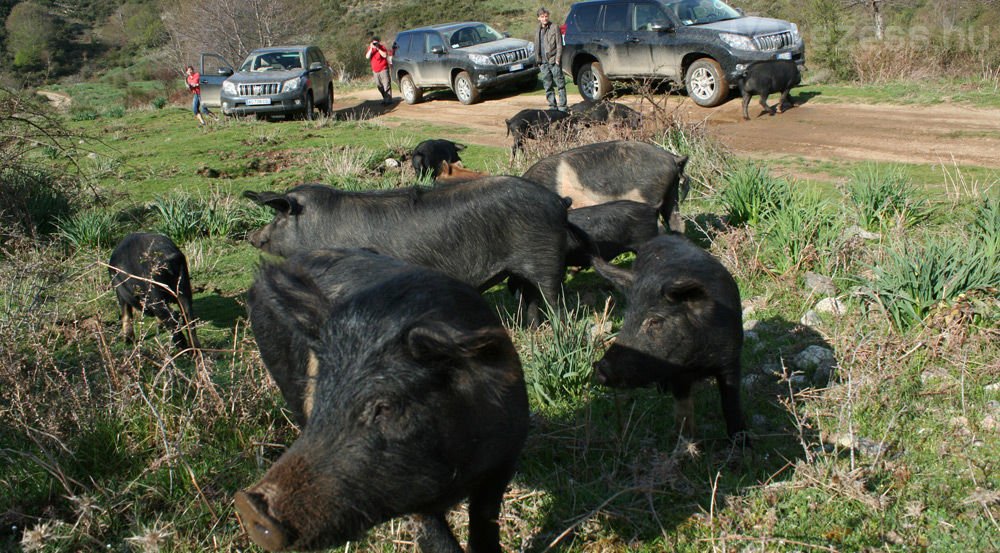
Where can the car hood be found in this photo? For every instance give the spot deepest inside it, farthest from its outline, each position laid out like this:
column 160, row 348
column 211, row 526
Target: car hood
column 749, row 26
column 265, row 76
column 495, row 47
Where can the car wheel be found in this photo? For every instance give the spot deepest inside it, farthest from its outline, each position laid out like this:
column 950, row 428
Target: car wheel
column 310, row 107
column 326, row 108
column 706, row 83
column 410, row 91
column 466, row 91
column 592, row 82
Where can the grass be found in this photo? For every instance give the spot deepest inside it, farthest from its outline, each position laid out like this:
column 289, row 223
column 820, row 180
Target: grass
column 972, row 92
column 122, row 447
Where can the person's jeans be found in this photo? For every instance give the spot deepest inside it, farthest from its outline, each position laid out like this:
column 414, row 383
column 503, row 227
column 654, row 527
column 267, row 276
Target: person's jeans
column 384, row 85
column 553, row 81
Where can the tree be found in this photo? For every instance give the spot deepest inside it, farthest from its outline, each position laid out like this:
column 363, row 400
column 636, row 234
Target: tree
column 32, row 37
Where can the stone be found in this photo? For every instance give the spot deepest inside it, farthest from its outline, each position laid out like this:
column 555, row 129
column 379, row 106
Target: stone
column 819, row 284
column 855, row 230
column 392, row 163
column 814, row 357
column 811, row 318
column 750, row 336
column 830, row 305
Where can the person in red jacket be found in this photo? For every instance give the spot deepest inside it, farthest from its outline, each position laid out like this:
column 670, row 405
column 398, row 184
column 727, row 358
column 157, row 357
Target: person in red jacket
column 380, row 59
column 194, row 86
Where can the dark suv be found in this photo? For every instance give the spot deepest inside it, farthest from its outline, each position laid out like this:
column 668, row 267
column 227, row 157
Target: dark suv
column 466, row 57
column 703, row 44
column 281, row 80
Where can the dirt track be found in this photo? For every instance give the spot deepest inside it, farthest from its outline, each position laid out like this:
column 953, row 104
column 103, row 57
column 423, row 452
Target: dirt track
column 811, row 130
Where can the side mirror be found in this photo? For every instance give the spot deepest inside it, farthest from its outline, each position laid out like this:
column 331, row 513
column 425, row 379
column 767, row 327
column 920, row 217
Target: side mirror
column 225, row 71
column 437, row 50
column 739, row 11
column 506, row 35
column 661, row 27
column 315, row 66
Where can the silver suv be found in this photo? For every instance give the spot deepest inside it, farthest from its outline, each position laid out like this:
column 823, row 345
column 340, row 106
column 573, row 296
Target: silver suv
column 466, row 57
column 280, row 81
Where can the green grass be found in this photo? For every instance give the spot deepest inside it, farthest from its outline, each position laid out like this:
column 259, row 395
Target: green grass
column 114, row 446
column 976, row 93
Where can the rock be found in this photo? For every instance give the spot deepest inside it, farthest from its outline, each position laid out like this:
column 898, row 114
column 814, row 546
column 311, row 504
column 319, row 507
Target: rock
column 811, row 318
column 830, row 305
column 855, row 230
column 814, row 357
column 819, row 284
column 751, row 381
column 772, row 369
column 758, row 421
column 752, row 324
column 995, row 387
column 750, row 336
column 799, row 381
column 392, row 163
column 600, row 330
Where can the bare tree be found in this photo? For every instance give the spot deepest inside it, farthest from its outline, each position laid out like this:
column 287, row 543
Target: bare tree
column 231, row 28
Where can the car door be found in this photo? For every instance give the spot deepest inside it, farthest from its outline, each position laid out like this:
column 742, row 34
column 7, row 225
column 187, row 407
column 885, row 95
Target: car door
column 435, row 66
column 214, row 70
column 624, row 54
column 656, row 31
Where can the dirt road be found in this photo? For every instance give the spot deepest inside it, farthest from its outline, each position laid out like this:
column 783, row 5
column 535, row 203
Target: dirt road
column 812, row 130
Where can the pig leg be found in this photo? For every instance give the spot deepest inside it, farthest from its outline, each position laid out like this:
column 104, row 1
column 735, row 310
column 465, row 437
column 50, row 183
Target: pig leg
column 484, row 511
column 729, row 391
column 434, row 535
column 746, row 105
column 786, row 98
column 763, row 101
column 683, row 408
column 128, row 332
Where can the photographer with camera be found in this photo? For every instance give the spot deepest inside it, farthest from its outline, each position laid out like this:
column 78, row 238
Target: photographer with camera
column 380, row 59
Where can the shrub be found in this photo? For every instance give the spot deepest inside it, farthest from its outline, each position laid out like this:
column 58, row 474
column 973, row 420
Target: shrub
column 180, row 217
column 799, row 234
column 885, row 197
column 32, row 200
column 159, row 102
column 751, row 194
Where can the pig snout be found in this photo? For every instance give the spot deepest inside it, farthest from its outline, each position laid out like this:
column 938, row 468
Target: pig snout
column 604, row 373
column 264, row 529
column 257, row 238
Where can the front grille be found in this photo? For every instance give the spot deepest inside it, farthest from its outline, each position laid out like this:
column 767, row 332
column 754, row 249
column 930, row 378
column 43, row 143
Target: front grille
column 503, row 58
column 775, row 41
column 259, row 89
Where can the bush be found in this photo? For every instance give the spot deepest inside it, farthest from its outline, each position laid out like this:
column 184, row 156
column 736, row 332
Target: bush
column 94, row 228
column 751, row 194
column 159, row 102
column 799, row 234
column 180, row 217
column 33, row 200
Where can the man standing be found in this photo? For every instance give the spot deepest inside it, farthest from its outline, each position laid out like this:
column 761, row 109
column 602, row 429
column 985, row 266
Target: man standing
column 379, row 58
column 548, row 47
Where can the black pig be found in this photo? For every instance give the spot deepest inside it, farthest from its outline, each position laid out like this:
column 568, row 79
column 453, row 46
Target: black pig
column 412, row 397
column 604, row 112
column 683, row 322
column 615, row 228
column 148, row 273
column 429, row 155
column 479, row 232
column 763, row 78
column 533, row 124
column 617, row 170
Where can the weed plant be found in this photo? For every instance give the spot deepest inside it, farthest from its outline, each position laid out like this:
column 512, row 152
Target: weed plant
column 752, row 194
column 885, row 197
column 799, row 234
column 94, row 229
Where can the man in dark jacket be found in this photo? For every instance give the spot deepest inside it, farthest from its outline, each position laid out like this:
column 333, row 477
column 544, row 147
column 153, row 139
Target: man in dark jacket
column 548, row 48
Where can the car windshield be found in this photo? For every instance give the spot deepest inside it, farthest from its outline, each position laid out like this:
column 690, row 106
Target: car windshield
column 698, row 12
column 272, row 61
column 472, row 34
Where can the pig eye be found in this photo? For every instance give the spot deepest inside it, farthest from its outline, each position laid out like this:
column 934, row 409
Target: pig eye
column 379, row 411
column 652, row 324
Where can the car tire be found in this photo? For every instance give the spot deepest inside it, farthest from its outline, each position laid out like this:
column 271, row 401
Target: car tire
column 310, row 107
column 706, row 83
column 592, row 82
column 465, row 89
column 326, row 108
column 412, row 94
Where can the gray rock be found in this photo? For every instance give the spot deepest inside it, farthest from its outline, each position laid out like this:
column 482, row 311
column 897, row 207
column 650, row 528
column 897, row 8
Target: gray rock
column 855, row 230
column 799, row 381
column 819, row 284
column 750, row 336
column 995, row 387
column 811, row 318
column 758, row 421
column 752, row 324
column 392, row 163
column 751, row 381
column 771, row 369
column 830, row 305
column 814, row 357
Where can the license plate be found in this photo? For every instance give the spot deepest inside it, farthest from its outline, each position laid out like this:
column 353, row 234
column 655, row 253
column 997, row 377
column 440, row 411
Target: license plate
column 784, row 56
column 517, row 67
column 258, row 101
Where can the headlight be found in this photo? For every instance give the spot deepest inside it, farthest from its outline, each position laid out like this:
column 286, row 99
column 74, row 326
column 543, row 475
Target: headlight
column 480, row 59
column 531, row 48
column 229, row 88
column 291, row 84
column 740, row 42
column 796, row 37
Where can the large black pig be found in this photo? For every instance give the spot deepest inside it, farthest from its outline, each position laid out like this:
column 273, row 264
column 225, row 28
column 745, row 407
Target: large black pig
column 765, row 77
column 615, row 228
column 604, row 112
column 532, row 124
column 618, row 170
column 479, row 232
column 149, row 273
column 429, row 155
column 683, row 323
column 411, row 393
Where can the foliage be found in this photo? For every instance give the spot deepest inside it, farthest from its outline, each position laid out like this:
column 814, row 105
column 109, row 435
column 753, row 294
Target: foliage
column 94, row 229
column 800, row 234
column 751, row 194
column 32, row 36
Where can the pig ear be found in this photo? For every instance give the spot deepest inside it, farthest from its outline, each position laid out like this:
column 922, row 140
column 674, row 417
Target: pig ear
column 622, row 279
column 278, row 202
column 458, row 146
column 685, row 290
column 293, row 297
column 437, row 342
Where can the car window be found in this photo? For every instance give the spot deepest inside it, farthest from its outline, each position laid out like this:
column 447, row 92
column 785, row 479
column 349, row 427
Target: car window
column 616, row 17
column 647, row 15
column 433, row 39
column 473, row 34
column 212, row 64
column 585, row 17
column 402, row 43
column 697, row 12
column 272, row 61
